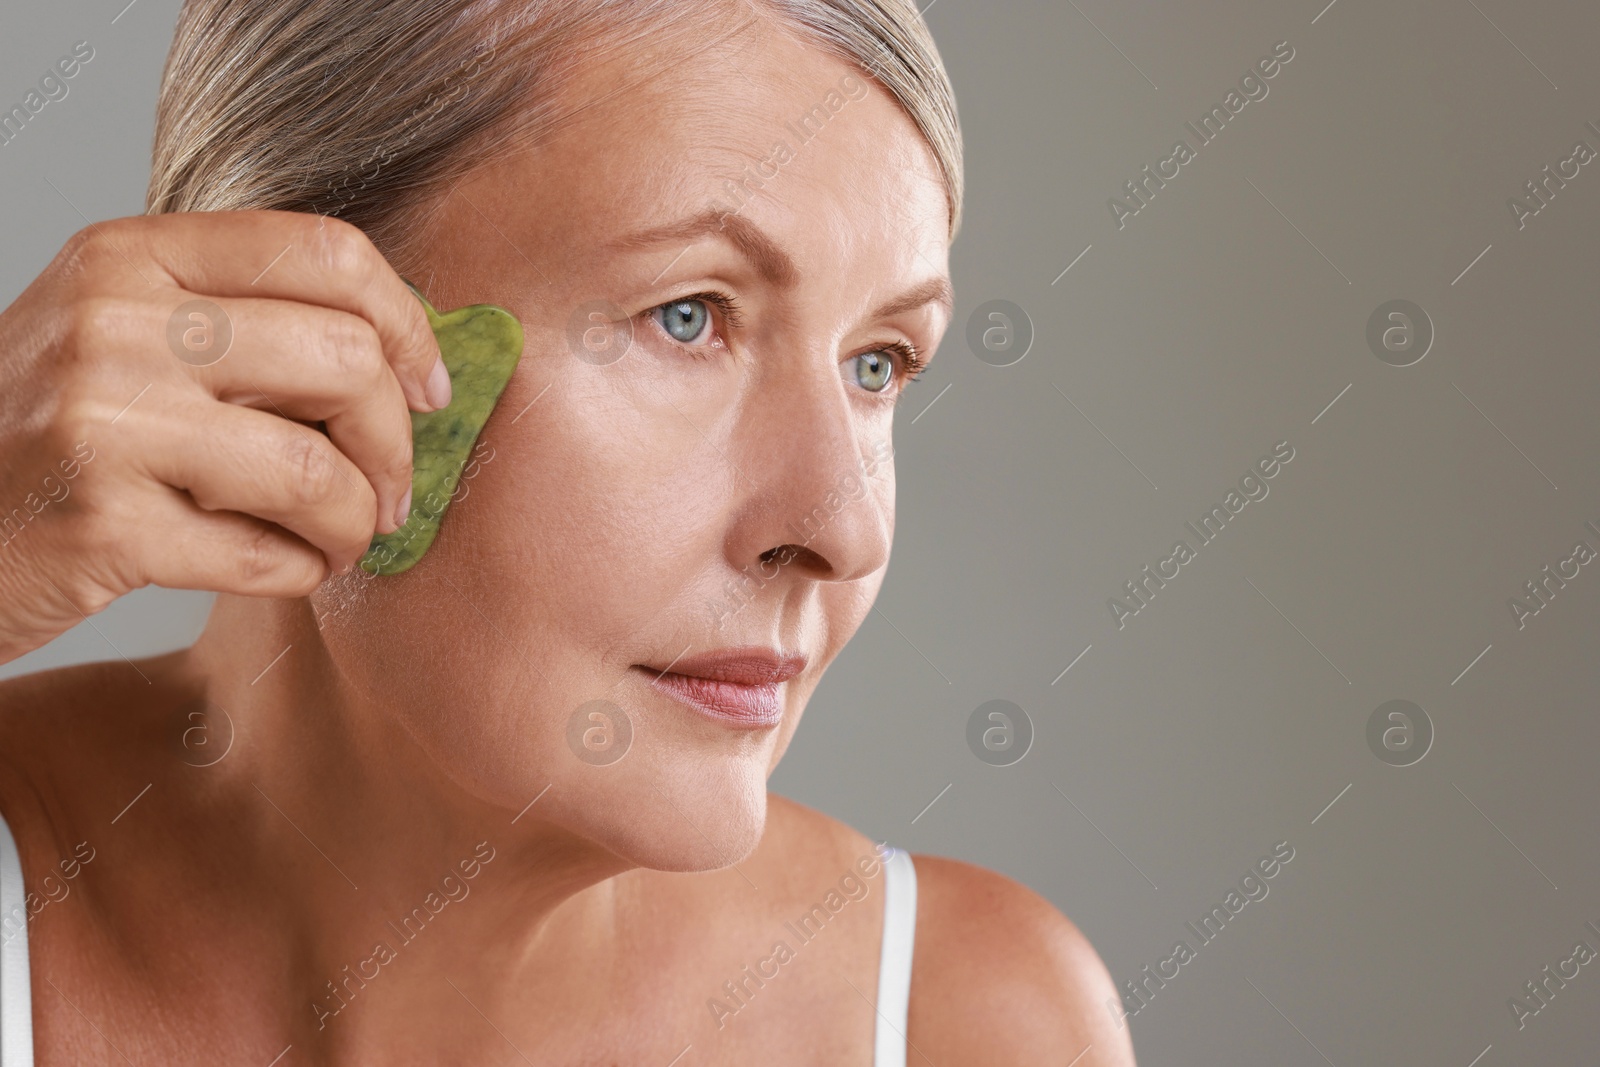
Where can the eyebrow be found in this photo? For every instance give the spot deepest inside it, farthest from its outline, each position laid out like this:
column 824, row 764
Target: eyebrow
column 933, row 291
column 771, row 262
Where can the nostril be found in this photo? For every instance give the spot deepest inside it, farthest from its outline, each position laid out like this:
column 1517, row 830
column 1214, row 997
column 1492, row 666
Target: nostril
column 787, row 554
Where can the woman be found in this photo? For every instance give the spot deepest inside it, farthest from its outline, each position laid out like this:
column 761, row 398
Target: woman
column 510, row 805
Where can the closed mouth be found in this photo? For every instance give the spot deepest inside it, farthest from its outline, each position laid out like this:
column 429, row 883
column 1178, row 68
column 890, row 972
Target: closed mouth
column 735, row 686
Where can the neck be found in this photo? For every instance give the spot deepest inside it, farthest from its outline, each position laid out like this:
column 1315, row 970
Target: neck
column 374, row 868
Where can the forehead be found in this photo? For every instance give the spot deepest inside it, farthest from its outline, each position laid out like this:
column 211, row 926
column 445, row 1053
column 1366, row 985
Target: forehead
column 750, row 120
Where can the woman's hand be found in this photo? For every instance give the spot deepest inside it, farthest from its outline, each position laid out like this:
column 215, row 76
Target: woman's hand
column 149, row 439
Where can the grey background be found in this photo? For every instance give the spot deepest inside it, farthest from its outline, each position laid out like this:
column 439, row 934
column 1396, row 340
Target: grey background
column 1224, row 318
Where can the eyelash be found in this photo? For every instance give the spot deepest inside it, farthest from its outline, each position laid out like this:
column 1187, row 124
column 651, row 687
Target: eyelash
column 910, row 362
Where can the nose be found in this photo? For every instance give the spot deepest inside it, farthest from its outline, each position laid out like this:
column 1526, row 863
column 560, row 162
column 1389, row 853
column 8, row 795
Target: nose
column 817, row 499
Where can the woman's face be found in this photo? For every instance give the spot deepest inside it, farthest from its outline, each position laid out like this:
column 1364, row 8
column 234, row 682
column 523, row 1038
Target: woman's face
column 669, row 473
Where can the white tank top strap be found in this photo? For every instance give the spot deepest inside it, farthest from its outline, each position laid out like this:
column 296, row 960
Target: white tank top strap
column 16, row 998
column 894, row 965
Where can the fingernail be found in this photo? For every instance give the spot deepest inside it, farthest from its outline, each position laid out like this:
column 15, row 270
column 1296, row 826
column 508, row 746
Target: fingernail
column 438, row 387
column 403, row 512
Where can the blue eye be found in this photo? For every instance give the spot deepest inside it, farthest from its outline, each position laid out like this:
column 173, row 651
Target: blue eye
column 874, row 371
column 684, row 320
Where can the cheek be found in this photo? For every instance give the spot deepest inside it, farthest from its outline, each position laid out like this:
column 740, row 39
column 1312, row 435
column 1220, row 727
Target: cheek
column 584, row 546
column 609, row 511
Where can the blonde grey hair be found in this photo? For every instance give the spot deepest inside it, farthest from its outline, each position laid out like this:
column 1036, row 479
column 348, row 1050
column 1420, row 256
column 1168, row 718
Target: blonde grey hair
column 361, row 108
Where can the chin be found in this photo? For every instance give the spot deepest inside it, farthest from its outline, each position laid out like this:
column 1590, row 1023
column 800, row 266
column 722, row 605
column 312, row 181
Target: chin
column 687, row 812
column 675, row 800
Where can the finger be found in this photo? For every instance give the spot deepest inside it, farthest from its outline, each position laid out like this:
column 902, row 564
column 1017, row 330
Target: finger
column 314, row 364
column 231, row 458
column 313, row 259
column 226, row 552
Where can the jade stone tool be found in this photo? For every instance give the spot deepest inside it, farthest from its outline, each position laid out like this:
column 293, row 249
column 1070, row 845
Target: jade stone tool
column 481, row 344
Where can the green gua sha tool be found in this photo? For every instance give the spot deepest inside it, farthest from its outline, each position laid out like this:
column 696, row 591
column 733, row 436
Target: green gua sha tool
column 481, row 344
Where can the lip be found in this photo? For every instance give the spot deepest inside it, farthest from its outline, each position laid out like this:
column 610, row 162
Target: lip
column 733, row 686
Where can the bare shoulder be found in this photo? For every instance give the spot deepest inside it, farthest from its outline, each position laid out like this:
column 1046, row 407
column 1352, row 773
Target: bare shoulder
column 67, row 723
column 31, row 705
column 1001, row 977
column 59, row 699
column 80, row 686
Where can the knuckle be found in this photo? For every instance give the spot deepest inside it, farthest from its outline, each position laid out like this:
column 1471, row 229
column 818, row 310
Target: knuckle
column 93, row 246
column 351, row 349
column 340, row 248
column 71, row 427
column 74, row 417
column 74, row 253
column 95, row 323
column 311, row 471
column 258, row 556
